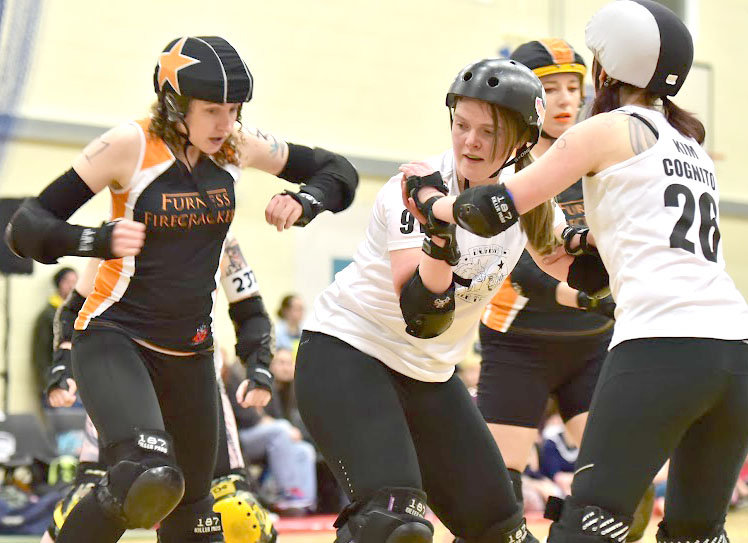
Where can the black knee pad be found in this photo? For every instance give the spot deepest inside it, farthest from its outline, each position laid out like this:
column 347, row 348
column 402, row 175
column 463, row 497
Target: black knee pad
column 577, row 523
column 716, row 535
column 511, row 530
column 192, row 523
column 145, row 485
column 392, row 515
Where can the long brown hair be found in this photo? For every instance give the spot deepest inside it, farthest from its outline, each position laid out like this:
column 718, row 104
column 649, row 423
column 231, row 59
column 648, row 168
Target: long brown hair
column 608, row 98
column 162, row 127
column 538, row 222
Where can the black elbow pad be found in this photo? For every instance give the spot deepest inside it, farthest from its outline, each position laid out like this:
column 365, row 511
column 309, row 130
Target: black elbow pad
column 28, row 229
column 588, row 273
column 486, row 210
column 426, row 314
column 331, row 176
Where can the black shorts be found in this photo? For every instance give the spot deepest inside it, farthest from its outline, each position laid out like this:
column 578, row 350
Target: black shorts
column 519, row 373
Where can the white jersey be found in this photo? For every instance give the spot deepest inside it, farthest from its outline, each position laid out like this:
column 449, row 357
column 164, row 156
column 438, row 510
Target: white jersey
column 656, row 223
column 362, row 309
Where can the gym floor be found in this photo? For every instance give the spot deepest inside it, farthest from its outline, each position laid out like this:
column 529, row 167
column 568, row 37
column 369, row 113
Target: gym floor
column 737, row 528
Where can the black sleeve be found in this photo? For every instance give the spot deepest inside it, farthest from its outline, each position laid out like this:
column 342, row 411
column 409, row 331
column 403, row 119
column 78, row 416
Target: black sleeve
column 534, row 282
column 255, row 341
column 329, row 177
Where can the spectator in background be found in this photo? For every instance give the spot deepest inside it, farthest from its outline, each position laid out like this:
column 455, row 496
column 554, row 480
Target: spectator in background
column 288, row 326
column 290, row 460
column 41, row 340
column 283, row 401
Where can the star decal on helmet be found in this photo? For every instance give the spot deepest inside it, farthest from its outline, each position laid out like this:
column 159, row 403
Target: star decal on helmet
column 169, row 64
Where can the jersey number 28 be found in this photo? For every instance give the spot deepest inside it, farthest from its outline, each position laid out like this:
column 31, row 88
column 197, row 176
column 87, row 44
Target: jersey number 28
column 709, row 235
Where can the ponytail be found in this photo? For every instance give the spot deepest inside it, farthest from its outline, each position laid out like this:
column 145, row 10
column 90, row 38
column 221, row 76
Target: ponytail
column 683, row 121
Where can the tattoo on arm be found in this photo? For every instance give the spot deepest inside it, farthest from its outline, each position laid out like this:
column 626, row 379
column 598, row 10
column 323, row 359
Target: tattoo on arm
column 561, row 143
column 276, row 146
column 236, row 259
column 640, row 136
column 103, row 145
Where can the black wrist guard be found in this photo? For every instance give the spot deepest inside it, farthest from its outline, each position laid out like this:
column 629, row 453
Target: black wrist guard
column 260, row 377
column 486, row 210
column 254, row 339
column 311, row 205
column 604, row 306
column 97, row 242
column 416, row 182
column 450, row 253
column 60, row 371
column 331, row 178
column 583, row 248
column 588, row 273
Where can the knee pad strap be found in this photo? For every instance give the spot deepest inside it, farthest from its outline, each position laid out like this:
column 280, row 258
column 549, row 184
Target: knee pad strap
column 719, row 535
column 392, row 515
column 510, row 530
column 192, row 523
column 576, row 523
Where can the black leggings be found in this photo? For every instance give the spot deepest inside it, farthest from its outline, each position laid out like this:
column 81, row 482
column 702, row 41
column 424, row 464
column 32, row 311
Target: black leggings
column 125, row 386
column 377, row 428
column 680, row 398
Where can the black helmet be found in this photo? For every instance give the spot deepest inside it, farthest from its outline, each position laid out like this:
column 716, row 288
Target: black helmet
column 550, row 56
column 641, row 43
column 508, row 84
column 203, row 67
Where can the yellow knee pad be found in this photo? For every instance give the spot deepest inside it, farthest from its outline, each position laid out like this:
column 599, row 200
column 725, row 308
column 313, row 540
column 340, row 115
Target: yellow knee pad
column 244, row 519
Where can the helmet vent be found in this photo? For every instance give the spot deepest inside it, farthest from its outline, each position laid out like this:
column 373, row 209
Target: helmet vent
column 493, row 81
column 467, row 76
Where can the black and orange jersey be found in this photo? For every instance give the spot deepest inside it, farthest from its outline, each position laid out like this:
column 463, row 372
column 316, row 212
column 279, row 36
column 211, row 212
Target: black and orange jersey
column 526, row 302
column 165, row 295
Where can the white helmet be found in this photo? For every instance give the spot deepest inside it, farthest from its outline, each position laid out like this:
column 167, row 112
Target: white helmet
column 642, row 43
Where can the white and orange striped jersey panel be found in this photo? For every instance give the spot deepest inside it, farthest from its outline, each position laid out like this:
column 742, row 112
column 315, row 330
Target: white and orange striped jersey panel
column 501, row 311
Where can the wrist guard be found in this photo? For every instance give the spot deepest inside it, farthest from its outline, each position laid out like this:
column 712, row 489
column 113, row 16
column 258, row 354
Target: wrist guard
column 311, row 205
column 583, row 248
column 486, row 210
column 416, row 182
column 604, row 306
column 60, row 371
column 254, row 339
column 450, row 253
column 433, row 226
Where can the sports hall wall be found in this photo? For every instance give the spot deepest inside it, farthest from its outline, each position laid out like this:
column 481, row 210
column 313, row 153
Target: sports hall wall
column 365, row 78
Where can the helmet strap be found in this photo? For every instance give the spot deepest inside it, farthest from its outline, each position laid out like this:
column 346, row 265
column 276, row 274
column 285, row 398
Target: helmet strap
column 517, row 157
